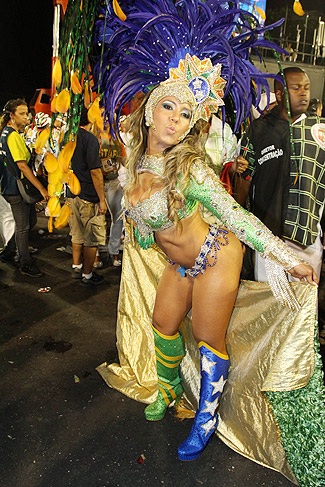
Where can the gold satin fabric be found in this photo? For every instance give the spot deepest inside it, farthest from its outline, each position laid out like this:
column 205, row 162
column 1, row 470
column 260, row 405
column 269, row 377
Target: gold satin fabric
column 270, row 349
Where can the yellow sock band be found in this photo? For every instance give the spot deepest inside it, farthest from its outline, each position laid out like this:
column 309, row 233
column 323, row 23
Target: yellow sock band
column 213, row 350
column 166, row 337
column 168, row 387
column 166, row 357
column 170, row 366
column 164, row 395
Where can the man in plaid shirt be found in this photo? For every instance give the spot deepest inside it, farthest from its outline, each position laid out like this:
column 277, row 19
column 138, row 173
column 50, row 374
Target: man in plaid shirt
column 287, row 188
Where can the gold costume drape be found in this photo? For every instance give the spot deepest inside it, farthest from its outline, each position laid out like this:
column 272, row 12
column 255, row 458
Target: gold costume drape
column 270, row 348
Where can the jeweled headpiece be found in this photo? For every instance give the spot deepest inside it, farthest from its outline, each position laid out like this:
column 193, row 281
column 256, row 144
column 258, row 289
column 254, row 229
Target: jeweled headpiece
column 195, row 82
column 143, row 43
column 206, row 45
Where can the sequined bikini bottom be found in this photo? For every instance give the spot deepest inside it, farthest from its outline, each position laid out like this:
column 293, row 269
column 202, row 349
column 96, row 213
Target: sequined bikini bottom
column 216, row 238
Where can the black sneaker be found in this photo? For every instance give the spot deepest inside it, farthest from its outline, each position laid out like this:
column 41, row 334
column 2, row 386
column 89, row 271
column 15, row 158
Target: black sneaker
column 76, row 273
column 8, row 259
column 31, row 270
column 94, row 280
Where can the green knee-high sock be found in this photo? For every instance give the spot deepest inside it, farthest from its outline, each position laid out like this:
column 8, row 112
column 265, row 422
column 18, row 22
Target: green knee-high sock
column 169, row 353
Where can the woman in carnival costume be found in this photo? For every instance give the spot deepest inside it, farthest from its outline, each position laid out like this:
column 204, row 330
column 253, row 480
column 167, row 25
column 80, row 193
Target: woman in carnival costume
column 188, row 60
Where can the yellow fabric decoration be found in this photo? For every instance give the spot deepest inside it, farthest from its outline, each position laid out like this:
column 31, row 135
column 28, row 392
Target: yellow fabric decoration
column 41, row 140
column 62, row 220
column 94, row 111
column 57, row 73
column 66, row 154
column 87, row 95
column 75, row 83
column 74, row 184
column 119, row 12
column 54, row 206
column 50, row 162
column 62, row 103
column 297, row 8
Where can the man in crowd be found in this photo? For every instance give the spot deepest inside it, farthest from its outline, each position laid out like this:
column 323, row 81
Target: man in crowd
column 87, row 222
column 286, row 168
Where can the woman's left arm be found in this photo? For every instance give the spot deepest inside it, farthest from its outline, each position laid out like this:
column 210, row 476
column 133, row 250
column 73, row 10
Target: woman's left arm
column 205, row 187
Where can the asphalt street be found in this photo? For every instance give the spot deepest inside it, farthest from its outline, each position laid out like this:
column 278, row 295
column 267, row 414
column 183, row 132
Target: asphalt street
column 60, row 424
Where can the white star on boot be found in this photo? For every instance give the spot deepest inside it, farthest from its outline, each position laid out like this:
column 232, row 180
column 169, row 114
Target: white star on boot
column 207, row 365
column 209, row 425
column 218, row 386
column 211, row 406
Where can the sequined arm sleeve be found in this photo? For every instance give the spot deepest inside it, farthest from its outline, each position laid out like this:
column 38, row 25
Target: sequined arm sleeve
column 206, row 188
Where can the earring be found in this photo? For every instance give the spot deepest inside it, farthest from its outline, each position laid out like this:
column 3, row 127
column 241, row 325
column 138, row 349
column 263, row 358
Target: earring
column 149, row 122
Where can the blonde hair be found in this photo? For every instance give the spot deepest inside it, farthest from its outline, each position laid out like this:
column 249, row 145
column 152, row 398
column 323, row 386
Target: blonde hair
column 178, row 159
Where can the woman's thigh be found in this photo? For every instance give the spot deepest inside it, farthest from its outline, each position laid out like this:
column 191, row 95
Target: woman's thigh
column 173, row 300
column 214, row 295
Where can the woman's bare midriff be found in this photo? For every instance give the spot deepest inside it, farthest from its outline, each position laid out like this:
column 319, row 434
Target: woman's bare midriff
column 181, row 244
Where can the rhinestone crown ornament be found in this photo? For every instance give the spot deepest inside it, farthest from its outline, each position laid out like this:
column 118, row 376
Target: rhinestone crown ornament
column 203, row 80
column 195, row 82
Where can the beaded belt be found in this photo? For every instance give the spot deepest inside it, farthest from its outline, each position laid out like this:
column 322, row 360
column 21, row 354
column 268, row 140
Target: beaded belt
column 215, row 238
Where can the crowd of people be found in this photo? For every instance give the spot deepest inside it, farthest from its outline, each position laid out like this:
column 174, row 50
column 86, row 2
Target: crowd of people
column 98, row 164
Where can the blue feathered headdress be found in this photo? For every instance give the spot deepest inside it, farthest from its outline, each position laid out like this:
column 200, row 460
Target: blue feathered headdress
column 139, row 51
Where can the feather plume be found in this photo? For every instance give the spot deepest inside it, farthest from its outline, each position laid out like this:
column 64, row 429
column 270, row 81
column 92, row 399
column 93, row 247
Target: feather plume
column 156, row 34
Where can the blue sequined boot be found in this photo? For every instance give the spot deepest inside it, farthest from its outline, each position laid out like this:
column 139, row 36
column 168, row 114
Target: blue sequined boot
column 214, row 371
column 169, row 354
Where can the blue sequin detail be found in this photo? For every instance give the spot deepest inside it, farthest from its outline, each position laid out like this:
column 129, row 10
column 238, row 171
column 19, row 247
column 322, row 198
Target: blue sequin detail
column 200, row 88
column 182, row 270
column 213, row 242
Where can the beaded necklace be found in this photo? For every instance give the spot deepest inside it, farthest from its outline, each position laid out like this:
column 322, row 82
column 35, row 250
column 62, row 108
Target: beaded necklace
column 154, row 164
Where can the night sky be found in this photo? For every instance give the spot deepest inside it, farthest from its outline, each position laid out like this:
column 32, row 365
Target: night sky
column 26, row 48
column 26, row 44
